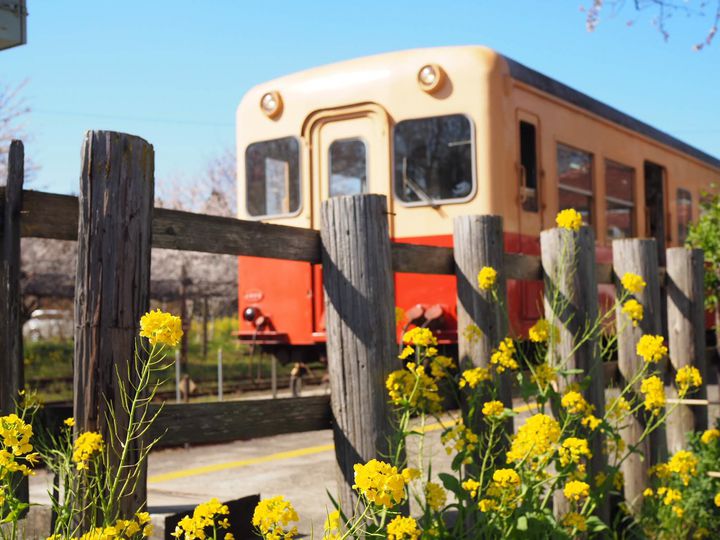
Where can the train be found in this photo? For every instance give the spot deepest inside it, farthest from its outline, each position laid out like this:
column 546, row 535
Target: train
column 444, row 132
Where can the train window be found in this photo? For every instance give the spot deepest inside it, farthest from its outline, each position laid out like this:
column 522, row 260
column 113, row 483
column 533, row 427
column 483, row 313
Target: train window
column 528, row 167
column 619, row 200
column 575, row 183
column 348, row 167
column 434, row 159
column 684, row 213
column 272, row 177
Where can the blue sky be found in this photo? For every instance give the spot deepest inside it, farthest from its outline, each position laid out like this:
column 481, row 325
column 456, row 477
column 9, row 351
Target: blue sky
column 173, row 72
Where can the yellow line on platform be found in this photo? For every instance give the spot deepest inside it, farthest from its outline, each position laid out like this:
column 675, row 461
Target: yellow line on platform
column 216, row 467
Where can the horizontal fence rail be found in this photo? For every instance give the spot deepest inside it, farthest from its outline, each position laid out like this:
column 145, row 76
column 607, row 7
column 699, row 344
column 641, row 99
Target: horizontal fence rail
column 53, row 216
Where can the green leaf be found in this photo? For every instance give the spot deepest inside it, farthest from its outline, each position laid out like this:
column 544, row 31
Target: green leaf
column 522, row 524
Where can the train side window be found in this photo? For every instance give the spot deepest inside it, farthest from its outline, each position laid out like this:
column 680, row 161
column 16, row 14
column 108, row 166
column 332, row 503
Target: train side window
column 619, row 200
column 575, row 182
column 684, row 214
column 433, row 160
column 348, row 167
column 272, row 177
column 528, row 167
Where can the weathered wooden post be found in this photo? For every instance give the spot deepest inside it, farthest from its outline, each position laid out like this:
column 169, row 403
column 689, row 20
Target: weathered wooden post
column 12, row 377
column 571, row 308
column 638, row 256
column 113, row 279
column 686, row 336
column 478, row 242
column 360, row 321
column 12, row 368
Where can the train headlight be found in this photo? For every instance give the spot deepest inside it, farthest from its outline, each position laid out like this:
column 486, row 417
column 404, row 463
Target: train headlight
column 271, row 104
column 430, row 77
column 250, row 313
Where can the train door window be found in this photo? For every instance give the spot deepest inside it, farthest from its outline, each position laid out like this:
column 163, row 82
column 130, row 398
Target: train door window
column 575, row 182
column 528, row 167
column 348, row 167
column 272, row 177
column 619, row 200
column 433, row 160
column 655, row 206
column 684, row 214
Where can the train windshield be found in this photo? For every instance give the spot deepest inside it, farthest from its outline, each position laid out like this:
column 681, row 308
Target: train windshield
column 272, row 177
column 348, row 167
column 433, row 159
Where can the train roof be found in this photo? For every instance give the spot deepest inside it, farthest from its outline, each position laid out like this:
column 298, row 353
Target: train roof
column 553, row 87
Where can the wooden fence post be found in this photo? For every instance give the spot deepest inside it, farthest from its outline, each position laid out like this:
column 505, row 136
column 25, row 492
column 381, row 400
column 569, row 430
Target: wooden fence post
column 113, row 279
column 360, row 321
column 571, row 306
column 686, row 336
column 638, row 256
column 12, row 378
column 478, row 242
column 12, row 363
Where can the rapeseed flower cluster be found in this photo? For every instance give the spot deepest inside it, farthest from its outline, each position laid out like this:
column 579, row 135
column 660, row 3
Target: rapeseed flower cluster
column 414, row 388
column 632, row 283
column 435, row 496
column 686, row 379
column 535, row 438
column 576, row 490
column 16, row 451
column 472, row 333
column 502, row 493
column 504, row 356
column 573, row 520
column 493, row 408
column 86, row 447
column 403, row 528
column 634, row 310
column 273, row 516
column 161, row 328
column 458, row 439
column 540, row 331
column 543, row 375
column 683, row 463
column 331, row 527
column 440, row 366
column 574, row 402
column 569, row 219
column 572, row 451
column 486, row 278
column 418, row 336
column 122, row 529
column 654, row 392
column 380, row 483
column 471, row 486
column 651, row 349
column 710, row 436
column 474, row 376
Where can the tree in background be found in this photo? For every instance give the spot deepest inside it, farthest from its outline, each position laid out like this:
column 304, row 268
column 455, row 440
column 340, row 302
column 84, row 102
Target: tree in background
column 13, row 113
column 663, row 11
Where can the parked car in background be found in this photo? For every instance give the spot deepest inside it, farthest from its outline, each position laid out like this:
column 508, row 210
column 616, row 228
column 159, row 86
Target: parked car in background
column 48, row 324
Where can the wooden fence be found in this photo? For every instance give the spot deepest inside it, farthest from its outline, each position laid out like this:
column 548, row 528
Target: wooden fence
column 116, row 226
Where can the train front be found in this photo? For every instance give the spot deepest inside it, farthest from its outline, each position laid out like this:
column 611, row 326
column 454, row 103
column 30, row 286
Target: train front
column 414, row 126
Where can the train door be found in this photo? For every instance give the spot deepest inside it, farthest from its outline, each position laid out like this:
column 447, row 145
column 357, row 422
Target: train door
column 529, row 174
column 350, row 154
column 655, row 209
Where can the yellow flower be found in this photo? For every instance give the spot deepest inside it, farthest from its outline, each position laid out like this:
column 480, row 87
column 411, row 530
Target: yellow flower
column 684, row 464
column 669, row 496
column 472, row 333
column 654, row 392
column 86, row 447
column 440, row 366
column 412, row 387
column 632, row 283
column 407, row 351
column 471, row 486
column 473, row 377
column 487, row 505
column 506, row 479
column 536, row 437
column 569, row 219
column 687, row 377
column 591, row 422
column 678, row 511
column 572, row 450
column 634, row 310
column 272, row 517
column 399, row 315
column 710, row 435
column 617, row 408
column 409, row 474
column 648, row 492
column 503, row 357
column 332, row 526
column 403, row 528
column 717, row 499
column 160, row 327
column 380, row 483
column 460, row 439
column 651, row 348
column 576, row 490
column 493, row 408
column 573, row 520
column 543, row 374
column 540, row 331
column 419, row 336
column 435, row 496
column 486, row 278
column 575, row 403
column 70, row 422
